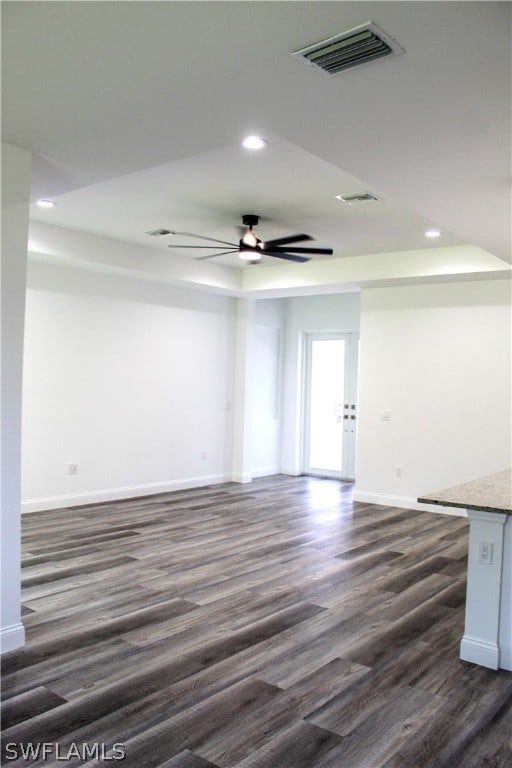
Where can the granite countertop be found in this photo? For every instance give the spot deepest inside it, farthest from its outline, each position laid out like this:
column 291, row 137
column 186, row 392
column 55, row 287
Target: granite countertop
column 491, row 493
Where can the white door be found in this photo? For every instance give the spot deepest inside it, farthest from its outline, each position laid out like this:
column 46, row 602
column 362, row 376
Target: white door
column 330, row 405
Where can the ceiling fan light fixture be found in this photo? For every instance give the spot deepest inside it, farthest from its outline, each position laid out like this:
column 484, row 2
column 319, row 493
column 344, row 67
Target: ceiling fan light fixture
column 254, row 142
column 250, row 248
column 249, row 254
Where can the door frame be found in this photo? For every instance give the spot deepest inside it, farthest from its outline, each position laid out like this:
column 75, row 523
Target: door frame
column 347, row 470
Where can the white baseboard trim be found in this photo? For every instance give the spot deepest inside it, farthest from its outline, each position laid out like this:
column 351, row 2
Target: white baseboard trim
column 293, row 471
column 480, row 652
column 115, row 494
column 12, row 637
column 405, row 502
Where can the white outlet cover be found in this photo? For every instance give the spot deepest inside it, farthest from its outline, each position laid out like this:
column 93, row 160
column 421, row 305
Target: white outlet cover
column 485, row 552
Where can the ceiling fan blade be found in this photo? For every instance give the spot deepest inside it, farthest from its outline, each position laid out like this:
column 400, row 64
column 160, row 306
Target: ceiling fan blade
column 202, row 237
column 201, row 247
column 325, row 251
column 284, row 255
column 284, row 240
column 211, row 255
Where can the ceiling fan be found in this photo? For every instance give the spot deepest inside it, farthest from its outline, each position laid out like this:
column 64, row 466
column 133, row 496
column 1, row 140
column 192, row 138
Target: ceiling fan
column 250, row 247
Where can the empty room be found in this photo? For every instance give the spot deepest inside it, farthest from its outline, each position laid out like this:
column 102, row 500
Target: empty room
column 256, row 384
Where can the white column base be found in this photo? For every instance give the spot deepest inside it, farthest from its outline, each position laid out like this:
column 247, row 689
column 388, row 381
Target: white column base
column 238, row 477
column 480, row 652
column 12, row 637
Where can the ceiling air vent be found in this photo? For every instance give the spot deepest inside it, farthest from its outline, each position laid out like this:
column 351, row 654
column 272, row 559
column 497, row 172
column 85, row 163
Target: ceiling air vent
column 353, row 198
column 159, row 232
column 350, row 49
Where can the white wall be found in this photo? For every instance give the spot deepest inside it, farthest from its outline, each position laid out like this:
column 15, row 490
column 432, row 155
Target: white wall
column 330, row 312
column 130, row 380
column 15, row 195
column 439, row 358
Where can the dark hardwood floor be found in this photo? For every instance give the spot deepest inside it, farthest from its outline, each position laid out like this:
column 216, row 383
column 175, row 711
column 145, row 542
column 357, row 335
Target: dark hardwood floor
column 268, row 625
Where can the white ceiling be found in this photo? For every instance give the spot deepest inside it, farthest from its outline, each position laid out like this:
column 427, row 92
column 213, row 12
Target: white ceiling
column 135, row 112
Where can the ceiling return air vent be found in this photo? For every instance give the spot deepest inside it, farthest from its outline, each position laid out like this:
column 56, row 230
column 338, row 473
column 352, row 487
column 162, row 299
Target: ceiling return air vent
column 159, row 232
column 350, row 49
column 353, row 198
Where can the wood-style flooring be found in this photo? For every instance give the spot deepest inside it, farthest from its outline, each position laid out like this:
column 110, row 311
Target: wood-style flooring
column 269, row 625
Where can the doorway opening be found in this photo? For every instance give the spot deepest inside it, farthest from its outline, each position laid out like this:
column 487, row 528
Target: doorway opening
column 329, row 431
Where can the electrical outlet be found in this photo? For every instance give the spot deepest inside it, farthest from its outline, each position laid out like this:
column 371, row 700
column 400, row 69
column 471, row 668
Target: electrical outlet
column 203, row 454
column 485, row 552
column 72, row 469
column 399, row 472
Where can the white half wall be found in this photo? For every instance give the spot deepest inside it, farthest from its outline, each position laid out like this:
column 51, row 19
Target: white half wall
column 436, row 359
column 131, row 381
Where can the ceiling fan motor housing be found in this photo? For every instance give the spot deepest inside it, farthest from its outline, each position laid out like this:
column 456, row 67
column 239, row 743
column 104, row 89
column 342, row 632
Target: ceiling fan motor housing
column 250, row 220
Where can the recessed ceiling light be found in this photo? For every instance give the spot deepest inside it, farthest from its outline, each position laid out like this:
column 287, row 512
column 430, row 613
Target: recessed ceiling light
column 46, row 203
column 254, row 142
column 432, row 233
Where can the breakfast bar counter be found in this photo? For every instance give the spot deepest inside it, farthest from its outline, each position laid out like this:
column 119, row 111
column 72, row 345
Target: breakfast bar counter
column 487, row 636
